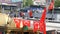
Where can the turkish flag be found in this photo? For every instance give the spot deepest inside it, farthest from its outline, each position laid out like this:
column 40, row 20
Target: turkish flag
column 36, row 25
column 26, row 23
column 51, row 6
column 17, row 22
column 42, row 22
column 30, row 13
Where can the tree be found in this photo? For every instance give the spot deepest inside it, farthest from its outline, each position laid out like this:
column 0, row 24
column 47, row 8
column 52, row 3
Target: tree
column 27, row 3
column 57, row 3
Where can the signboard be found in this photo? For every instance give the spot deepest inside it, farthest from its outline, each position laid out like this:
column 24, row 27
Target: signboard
column 39, row 2
column 22, row 22
column 5, row 1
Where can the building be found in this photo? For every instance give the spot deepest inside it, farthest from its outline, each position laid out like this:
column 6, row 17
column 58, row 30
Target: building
column 8, row 7
column 5, row 1
column 39, row 2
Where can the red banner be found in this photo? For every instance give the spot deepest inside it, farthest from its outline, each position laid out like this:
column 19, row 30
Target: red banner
column 26, row 23
column 36, row 26
column 17, row 22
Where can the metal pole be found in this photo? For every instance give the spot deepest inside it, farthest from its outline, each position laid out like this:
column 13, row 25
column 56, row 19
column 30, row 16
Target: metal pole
column 47, row 5
column 53, row 11
column 56, row 32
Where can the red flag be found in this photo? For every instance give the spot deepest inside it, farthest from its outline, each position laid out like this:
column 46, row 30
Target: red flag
column 51, row 6
column 36, row 26
column 21, row 14
column 26, row 23
column 42, row 22
column 17, row 22
column 30, row 13
column 53, row 1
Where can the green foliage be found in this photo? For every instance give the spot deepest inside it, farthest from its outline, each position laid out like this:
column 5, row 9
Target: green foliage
column 30, row 2
column 57, row 3
column 27, row 3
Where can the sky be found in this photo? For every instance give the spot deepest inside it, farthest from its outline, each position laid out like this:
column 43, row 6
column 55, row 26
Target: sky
column 16, row 0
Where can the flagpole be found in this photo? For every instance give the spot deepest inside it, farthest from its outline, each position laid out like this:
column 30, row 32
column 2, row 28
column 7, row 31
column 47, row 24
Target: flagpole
column 53, row 11
column 53, row 15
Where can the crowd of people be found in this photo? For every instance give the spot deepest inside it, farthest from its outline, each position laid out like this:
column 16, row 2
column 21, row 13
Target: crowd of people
column 28, row 14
